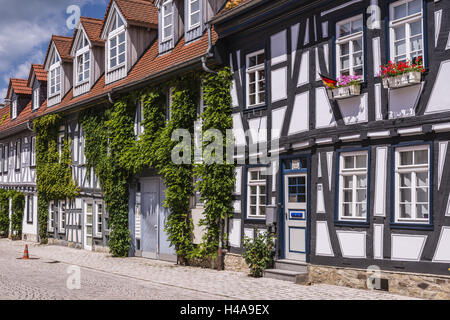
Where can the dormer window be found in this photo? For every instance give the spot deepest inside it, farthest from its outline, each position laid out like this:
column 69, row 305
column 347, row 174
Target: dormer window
column 117, row 43
column 35, row 98
column 167, row 20
column 193, row 13
column 55, row 75
column 83, row 61
column 14, row 109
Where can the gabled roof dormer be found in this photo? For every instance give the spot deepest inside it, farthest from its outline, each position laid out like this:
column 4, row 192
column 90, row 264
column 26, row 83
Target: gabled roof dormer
column 58, row 64
column 37, row 81
column 171, row 23
column 87, row 51
column 19, row 95
column 129, row 28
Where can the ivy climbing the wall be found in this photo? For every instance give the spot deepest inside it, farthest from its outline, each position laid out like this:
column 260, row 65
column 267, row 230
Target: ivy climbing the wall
column 53, row 173
column 17, row 208
column 4, row 213
column 216, row 181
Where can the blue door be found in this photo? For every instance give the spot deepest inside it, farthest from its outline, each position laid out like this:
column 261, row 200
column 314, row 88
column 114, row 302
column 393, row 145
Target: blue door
column 154, row 242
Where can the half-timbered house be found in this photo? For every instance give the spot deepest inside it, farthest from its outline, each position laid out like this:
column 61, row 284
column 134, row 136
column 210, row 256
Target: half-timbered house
column 356, row 181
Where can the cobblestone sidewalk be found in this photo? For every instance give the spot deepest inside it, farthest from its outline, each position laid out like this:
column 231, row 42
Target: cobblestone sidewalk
column 201, row 283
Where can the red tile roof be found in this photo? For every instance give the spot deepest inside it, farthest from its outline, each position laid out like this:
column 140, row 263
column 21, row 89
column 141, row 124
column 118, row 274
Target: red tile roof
column 38, row 70
column 20, row 86
column 93, row 28
column 63, row 45
column 136, row 12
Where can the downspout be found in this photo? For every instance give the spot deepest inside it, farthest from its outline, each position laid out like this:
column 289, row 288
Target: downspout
column 110, row 98
column 208, row 53
column 29, row 125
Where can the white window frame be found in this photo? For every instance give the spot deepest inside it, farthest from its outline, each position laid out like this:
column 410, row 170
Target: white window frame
column 6, row 158
column 61, row 142
column 164, row 14
column 81, row 54
column 413, row 169
column 116, row 33
column 97, row 214
column 51, row 215
column 30, row 208
column 190, row 14
column 56, row 68
column 407, row 22
column 352, row 172
column 18, row 155
column 255, row 69
column 349, row 39
column 62, row 213
column 139, row 120
column 14, row 109
column 33, row 151
column 36, row 98
column 258, row 184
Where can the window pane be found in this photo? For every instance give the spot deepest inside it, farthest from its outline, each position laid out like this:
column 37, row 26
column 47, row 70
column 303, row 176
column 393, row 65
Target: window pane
column 422, row 211
column 405, row 211
column 260, row 58
column 195, row 18
column 345, row 49
column 405, row 180
column 122, row 37
column 400, row 48
column 253, row 211
column 253, row 190
column 253, row 200
column 414, row 6
column 400, row 33
column 345, row 63
column 347, row 210
column 405, row 195
column 348, row 182
column 406, row 158
column 416, row 43
column 252, row 61
column 421, row 157
column 422, row 195
column 361, row 210
column 344, row 29
column 361, row 181
column 195, row 6
column 262, row 210
column 357, row 26
column 349, row 162
column 348, row 195
column 301, row 198
column 252, row 77
column 357, row 45
column 400, row 11
column 122, row 58
column 361, row 196
column 422, row 179
column 113, row 42
column 416, row 28
column 361, row 161
column 122, row 48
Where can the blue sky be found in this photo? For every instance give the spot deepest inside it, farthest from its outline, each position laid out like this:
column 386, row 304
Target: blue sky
column 26, row 28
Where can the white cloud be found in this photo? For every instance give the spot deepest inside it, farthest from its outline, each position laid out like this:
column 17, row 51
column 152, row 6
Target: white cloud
column 26, row 31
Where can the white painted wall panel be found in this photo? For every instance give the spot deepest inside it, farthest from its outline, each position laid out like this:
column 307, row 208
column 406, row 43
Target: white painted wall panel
column 354, row 110
column 303, row 77
column 237, row 206
column 238, row 130
column 238, row 181
column 380, row 182
column 300, row 114
column 323, row 243
column 235, row 233
column 442, row 253
column 279, row 84
column 277, row 122
column 324, row 114
column 378, row 230
column 258, row 129
column 406, row 247
column 440, row 99
column 402, row 101
column 320, row 199
column 352, row 244
column 278, row 47
column 376, row 55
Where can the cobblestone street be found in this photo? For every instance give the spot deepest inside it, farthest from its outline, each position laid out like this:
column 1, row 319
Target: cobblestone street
column 104, row 277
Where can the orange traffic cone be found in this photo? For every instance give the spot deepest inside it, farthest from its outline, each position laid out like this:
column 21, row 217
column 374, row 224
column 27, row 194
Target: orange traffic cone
column 25, row 253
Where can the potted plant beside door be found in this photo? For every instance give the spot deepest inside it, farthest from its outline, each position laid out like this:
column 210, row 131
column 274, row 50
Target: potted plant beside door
column 402, row 74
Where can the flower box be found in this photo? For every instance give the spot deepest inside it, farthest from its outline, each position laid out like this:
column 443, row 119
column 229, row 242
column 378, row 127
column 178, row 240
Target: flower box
column 402, row 80
column 344, row 92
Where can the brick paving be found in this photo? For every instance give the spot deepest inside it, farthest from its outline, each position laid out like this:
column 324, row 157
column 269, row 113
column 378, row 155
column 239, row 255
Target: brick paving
column 105, row 277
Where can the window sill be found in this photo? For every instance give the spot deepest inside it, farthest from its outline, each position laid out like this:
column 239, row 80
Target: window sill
column 255, row 108
column 411, row 226
column 361, row 224
column 116, row 67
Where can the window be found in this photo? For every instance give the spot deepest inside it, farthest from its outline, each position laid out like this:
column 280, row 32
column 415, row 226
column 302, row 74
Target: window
column 297, row 189
column 18, row 154
column 55, row 75
column 62, row 216
column 2, row 156
column 33, row 151
column 256, row 197
column 36, row 99
column 117, row 39
column 83, row 63
column 256, row 79
column 167, row 20
column 14, row 109
column 51, row 216
column 406, row 30
column 99, row 219
column 5, row 158
column 412, row 184
column 349, row 47
column 353, row 173
column 194, row 13
column 139, row 120
column 30, row 208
